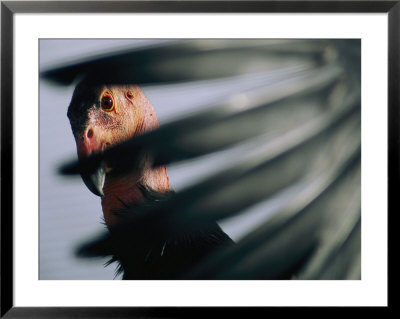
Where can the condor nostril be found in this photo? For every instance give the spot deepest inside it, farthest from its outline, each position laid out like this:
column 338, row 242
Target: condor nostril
column 89, row 133
column 88, row 142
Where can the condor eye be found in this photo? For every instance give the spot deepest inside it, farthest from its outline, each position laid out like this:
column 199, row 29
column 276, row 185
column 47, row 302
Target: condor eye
column 107, row 102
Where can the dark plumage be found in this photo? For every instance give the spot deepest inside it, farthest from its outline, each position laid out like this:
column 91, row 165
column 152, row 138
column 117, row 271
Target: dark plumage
column 164, row 255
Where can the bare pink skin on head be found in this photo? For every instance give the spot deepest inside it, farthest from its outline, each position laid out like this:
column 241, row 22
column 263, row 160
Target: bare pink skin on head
column 130, row 114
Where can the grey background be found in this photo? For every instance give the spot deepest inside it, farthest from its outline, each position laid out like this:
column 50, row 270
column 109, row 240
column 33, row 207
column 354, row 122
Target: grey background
column 69, row 213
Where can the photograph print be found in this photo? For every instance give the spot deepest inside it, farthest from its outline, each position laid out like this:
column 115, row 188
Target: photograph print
column 200, row 159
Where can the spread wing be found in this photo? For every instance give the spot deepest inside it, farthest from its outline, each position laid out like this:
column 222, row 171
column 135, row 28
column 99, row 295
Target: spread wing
column 299, row 133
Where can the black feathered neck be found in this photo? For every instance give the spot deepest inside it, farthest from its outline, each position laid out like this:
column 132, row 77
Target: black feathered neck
column 155, row 253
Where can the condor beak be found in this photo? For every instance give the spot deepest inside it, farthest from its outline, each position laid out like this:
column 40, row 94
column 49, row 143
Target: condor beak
column 94, row 179
column 88, row 145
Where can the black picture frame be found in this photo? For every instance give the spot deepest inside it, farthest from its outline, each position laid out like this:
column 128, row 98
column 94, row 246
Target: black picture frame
column 9, row 8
